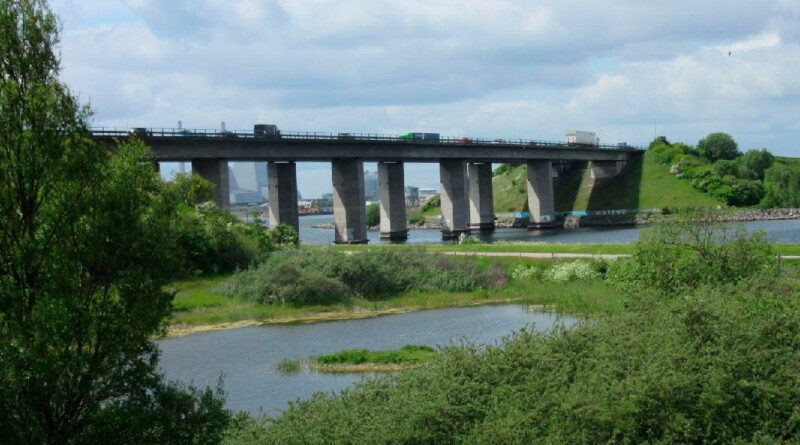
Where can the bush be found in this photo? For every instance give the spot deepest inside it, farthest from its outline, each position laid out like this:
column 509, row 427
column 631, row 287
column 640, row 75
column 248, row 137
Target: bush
column 733, row 191
column 417, row 219
column 431, row 203
column 323, row 275
column 726, row 167
column 710, row 364
column 691, row 251
column 373, row 214
column 660, row 140
column 782, row 187
column 718, row 146
column 667, row 154
column 522, row 272
column 571, row 271
column 503, row 169
column 189, row 188
column 754, row 163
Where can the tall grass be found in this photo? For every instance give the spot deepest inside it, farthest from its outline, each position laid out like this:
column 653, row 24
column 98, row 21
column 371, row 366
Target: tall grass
column 324, row 275
column 289, row 366
column 406, row 354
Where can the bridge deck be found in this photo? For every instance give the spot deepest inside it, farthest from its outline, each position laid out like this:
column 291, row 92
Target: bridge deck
column 173, row 145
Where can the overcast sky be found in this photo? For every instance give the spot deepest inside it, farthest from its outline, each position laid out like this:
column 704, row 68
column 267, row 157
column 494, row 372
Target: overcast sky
column 493, row 68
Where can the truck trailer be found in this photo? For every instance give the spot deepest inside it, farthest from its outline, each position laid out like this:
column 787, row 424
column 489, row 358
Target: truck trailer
column 582, row 137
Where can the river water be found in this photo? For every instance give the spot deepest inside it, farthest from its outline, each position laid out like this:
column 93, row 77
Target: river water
column 246, row 357
column 786, row 231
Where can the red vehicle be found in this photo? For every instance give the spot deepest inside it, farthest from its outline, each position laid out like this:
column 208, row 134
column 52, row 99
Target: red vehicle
column 464, row 141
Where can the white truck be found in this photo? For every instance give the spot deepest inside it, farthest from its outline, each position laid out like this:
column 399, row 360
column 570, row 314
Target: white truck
column 582, row 137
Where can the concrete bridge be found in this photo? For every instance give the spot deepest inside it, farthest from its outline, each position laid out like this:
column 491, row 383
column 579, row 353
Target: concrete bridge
column 465, row 170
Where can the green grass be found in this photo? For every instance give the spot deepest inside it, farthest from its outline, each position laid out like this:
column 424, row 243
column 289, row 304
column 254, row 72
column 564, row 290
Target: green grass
column 645, row 184
column 200, row 304
column 510, row 190
column 406, row 354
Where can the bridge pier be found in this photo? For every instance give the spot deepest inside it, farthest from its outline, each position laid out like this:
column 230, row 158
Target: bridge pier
column 481, row 202
column 282, row 179
column 391, row 190
column 216, row 172
column 541, row 202
column 455, row 212
column 349, row 204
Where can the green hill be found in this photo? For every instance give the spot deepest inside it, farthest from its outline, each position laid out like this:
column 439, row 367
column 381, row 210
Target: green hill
column 643, row 185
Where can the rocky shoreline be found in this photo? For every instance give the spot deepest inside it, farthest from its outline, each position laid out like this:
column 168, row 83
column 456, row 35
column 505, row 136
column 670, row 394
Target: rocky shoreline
column 625, row 219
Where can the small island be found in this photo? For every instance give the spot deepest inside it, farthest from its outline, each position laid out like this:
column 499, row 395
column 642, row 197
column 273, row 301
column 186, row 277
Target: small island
column 364, row 360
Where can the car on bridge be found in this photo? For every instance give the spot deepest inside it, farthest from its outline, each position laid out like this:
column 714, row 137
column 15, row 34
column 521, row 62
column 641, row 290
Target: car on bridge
column 140, row 132
column 266, row 131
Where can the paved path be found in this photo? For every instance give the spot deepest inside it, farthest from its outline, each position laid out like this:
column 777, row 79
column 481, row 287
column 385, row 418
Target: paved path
column 553, row 255
column 545, row 255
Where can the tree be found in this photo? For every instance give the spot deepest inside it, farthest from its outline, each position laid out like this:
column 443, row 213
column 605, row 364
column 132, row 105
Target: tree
column 718, row 146
column 753, row 164
column 191, row 189
column 660, row 140
column 782, row 187
column 85, row 249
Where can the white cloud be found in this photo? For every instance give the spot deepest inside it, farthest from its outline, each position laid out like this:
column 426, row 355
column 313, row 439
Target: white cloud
column 500, row 68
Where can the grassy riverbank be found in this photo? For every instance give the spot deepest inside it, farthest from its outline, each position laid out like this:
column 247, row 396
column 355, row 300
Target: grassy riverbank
column 200, row 304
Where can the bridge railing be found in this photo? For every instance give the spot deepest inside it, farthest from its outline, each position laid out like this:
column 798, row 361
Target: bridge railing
column 349, row 137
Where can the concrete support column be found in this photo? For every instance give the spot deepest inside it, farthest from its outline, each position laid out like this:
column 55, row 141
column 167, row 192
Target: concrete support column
column 455, row 212
column 282, row 180
column 349, row 205
column 481, row 202
column 391, row 189
column 540, row 194
column 215, row 171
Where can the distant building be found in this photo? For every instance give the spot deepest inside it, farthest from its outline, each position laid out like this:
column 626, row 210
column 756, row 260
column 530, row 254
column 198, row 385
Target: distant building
column 261, row 180
column 248, row 182
column 425, row 193
column 371, row 185
column 245, row 197
column 412, row 196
